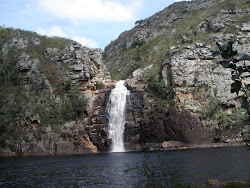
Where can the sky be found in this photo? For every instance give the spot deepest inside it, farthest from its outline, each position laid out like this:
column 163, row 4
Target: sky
column 93, row 23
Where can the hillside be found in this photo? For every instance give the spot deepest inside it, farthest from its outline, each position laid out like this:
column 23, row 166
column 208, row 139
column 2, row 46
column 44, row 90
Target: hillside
column 46, row 93
column 175, row 27
column 170, row 57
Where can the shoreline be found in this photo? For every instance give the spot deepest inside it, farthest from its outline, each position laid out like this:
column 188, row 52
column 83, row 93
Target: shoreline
column 193, row 146
column 208, row 146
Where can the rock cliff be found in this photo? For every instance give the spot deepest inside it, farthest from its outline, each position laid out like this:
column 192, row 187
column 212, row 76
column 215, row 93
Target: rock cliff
column 170, row 59
column 48, row 88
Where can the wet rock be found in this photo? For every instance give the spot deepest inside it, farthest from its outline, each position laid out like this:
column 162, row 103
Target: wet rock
column 171, row 144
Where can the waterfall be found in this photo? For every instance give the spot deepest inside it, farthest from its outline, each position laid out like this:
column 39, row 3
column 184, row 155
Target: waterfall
column 116, row 111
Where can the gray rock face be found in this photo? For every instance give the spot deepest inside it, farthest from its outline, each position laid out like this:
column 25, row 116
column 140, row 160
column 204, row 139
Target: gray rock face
column 43, row 78
column 150, row 127
column 245, row 27
column 45, row 141
column 49, row 51
column 194, row 72
column 217, row 25
column 36, row 41
column 19, row 41
column 25, row 63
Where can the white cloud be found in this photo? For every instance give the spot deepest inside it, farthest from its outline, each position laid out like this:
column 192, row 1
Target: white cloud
column 57, row 31
column 52, row 31
column 85, row 41
column 81, row 10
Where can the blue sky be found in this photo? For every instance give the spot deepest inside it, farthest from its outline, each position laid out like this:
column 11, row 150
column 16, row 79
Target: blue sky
column 93, row 23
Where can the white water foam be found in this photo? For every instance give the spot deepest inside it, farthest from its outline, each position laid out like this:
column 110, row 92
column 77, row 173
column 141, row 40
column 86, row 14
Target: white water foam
column 116, row 110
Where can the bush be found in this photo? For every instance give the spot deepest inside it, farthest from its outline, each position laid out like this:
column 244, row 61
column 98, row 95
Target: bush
column 13, row 102
column 5, row 33
column 211, row 109
column 74, row 107
column 244, row 19
column 99, row 85
column 156, row 86
column 42, row 112
column 68, row 84
column 138, row 43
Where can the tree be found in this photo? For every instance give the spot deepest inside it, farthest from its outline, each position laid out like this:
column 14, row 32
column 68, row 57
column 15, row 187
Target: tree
column 240, row 72
column 138, row 22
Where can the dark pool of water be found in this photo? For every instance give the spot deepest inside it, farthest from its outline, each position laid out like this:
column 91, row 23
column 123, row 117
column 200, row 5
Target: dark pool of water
column 194, row 166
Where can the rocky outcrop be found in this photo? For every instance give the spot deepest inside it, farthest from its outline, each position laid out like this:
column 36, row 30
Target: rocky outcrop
column 179, row 128
column 171, row 144
column 196, row 78
column 43, row 84
column 98, row 126
column 180, row 23
column 134, row 119
column 44, row 141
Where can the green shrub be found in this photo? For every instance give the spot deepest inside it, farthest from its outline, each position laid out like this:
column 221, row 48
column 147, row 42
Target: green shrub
column 211, row 109
column 99, row 85
column 68, row 84
column 238, row 119
column 13, row 102
column 74, row 106
column 43, row 113
column 138, row 43
column 156, row 86
column 5, row 33
column 245, row 18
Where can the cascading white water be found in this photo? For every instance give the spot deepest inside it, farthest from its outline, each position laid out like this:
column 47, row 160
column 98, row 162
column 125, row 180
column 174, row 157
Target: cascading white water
column 116, row 110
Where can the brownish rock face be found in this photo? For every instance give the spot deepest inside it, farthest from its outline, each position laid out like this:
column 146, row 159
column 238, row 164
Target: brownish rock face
column 98, row 129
